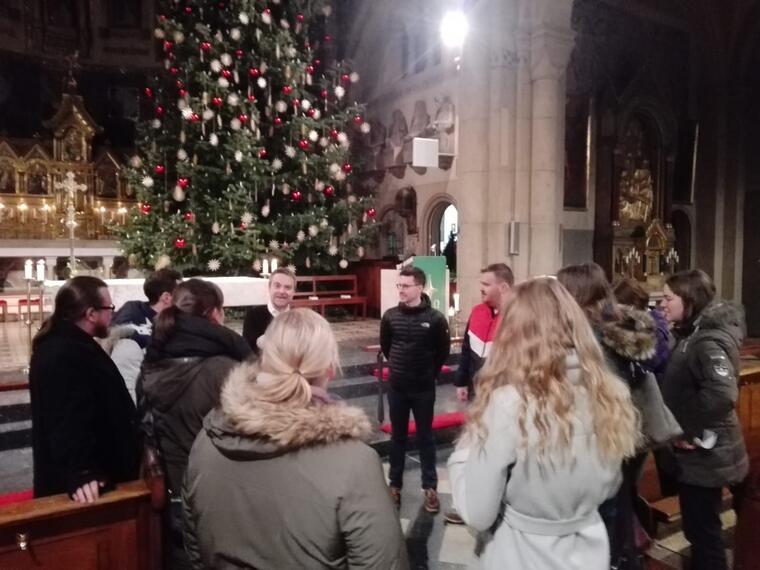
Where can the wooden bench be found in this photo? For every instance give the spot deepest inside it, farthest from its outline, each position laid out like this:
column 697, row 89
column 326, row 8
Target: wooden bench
column 320, row 291
column 120, row 530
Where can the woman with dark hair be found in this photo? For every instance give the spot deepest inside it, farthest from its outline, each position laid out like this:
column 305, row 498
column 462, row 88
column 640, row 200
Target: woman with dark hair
column 628, row 339
column 189, row 357
column 701, row 389
column 84, row 436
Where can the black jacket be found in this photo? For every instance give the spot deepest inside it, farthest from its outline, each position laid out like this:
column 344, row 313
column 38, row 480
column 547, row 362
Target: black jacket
column 416, row 342
column 83, row 418
column 139, row 316
column 701, row 389
column 180, row 382
column 255, row 324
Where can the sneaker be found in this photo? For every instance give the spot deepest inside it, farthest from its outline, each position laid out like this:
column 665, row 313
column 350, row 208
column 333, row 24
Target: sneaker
column 452, row 517
column 396, row 496
column 432, row 504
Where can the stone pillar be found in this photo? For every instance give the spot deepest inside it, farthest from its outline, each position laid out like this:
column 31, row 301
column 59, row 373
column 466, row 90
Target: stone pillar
column 50, row 267
column 550, row 50
column 472, row 158
column 107, row 266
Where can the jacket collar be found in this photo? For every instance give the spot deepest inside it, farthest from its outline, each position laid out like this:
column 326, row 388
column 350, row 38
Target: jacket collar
column 633, row 336
column 281, row 427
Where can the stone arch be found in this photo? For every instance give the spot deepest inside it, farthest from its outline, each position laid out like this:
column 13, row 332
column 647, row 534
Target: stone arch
column 432, row 217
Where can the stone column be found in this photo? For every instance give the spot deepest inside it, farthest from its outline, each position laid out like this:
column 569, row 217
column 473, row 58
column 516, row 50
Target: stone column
column 50, row 267
column 107, row 266
column 550, row 50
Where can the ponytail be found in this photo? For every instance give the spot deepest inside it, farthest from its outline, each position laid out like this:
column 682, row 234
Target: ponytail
column 165, row 323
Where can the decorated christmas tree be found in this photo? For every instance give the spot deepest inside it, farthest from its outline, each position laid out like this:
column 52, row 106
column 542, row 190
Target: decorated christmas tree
column 247, row 152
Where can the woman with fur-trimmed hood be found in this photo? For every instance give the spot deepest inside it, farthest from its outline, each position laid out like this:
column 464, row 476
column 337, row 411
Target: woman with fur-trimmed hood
column 628, row 337
column 279, row 476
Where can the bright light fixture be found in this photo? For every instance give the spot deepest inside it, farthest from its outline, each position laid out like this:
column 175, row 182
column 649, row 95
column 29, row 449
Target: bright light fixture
column 454, row 28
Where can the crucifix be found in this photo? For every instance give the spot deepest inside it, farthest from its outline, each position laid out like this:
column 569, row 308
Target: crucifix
column 70, row 187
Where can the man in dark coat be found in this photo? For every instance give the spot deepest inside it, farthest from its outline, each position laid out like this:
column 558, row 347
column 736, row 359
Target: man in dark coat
column 282, row 287
column 84, row 435
column 415, row 339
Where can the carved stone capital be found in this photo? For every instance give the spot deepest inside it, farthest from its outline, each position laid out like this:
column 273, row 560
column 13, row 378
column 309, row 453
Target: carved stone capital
column 550, row 50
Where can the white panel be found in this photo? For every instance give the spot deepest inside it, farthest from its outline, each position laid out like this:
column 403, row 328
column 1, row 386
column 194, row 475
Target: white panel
column 425, row 152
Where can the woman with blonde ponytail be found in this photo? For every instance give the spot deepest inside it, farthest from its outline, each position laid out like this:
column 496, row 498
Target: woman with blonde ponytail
column 545, row 438
column 279, row 476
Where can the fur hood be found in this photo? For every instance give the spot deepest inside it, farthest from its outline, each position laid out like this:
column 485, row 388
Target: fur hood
column 245, row 428
column 115, row 334
column 633, row 337
column 722, row 322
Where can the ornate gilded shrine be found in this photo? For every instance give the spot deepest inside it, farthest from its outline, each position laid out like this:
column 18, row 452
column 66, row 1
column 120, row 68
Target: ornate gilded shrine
column 642, row 245
column 30, row 169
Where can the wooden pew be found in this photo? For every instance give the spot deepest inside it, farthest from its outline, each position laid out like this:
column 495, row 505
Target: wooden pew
column 320, row 291
column 120, row 531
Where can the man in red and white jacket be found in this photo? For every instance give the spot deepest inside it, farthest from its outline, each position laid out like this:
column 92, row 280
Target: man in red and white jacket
column 496, row 281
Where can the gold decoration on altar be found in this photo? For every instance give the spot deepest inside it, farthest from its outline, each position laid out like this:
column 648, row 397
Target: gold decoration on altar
column 636, row 193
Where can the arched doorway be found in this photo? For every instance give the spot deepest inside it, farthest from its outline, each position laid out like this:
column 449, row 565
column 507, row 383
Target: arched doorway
column 442, row 231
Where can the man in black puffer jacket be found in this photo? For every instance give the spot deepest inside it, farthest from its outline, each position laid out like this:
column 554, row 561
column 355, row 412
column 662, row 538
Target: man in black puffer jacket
column 415, row 339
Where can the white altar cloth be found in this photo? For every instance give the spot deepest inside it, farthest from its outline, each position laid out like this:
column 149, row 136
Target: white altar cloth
column 238, row 291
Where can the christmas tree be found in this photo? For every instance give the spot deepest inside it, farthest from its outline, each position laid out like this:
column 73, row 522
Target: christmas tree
column 248, row 147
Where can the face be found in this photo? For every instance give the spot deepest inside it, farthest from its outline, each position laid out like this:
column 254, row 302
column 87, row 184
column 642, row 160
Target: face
column 99, row 317
column 164, row 301
column 493, row 291
column 408, row 290
column 672, row 306
column 217, row 315
column 281, row 291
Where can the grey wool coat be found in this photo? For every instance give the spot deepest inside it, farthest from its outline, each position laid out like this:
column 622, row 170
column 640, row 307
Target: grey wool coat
column 701, row 389
column 277, row 487
column 531, row 515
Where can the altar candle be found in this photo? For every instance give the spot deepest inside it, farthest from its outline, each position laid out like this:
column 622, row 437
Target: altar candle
column 40, row 270
column 274, row 265
column 28, row 269
column 456, row 302
column 265, row 267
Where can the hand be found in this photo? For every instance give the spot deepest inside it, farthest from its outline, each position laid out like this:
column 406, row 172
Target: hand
column 88, row 493
column 463, row 394
column 683, row 444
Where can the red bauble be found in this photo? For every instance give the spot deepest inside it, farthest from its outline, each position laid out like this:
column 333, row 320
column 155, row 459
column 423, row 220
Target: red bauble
column 226, row 73
column 160, row 169
column 217, row 101
column 295, row 196
column 243, row 225
column 303, row 144
column 317, row 62
column 277, row 121
column 311, row 112
column 329, row 191
column 299, row 17
column 263, row 153
column 206, row 46
column 239, row 53
column 254, row 72
column 325, row 93
column 168, row 45
column 334, row 133
column 159, row 111
column 182, row 93
column 180, row 85
column 189, row 216
column 145, row 209
column 188, row 9
column 268, row 12
column 310, row 69
column 180, row 243
column 347, row 168
column 195, row 117
column 183, row 182
column 252, row 97
column 328, row 38
column 371, row 213
column 287, row 89
column 345, row 78
column 148, row 92
column 173, row 70
column 243, row 118
column 358, row 120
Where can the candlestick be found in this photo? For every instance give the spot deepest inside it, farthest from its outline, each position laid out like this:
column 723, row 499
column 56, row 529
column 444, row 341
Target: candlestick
column 28, row 269
column 265, row 267
column 274, row 264
column 40, row 270
column 456, row 302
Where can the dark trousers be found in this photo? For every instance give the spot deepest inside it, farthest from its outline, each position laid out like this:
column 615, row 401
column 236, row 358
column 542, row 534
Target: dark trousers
column 422, row 406
column 700, row 515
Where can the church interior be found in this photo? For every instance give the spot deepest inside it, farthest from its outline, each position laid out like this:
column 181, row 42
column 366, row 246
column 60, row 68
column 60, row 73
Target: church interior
column 536, row 133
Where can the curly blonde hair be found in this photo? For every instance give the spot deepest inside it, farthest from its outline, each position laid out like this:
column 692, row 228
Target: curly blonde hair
column 541, row 324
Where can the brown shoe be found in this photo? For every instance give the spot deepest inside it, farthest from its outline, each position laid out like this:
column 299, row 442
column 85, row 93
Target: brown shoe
column 396, row 496
column 432, row 504
column 452, row 517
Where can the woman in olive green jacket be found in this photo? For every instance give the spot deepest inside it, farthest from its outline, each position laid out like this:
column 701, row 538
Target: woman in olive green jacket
column 279, row 476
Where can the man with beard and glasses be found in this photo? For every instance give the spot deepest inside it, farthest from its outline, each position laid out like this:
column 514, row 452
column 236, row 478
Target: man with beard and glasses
column 84, row 436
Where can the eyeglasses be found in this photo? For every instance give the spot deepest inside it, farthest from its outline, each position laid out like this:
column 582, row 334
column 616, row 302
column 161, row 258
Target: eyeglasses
column 406, row 286
column 106, row 308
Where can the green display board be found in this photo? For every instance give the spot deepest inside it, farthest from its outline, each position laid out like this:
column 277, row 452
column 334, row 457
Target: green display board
column 437, row 287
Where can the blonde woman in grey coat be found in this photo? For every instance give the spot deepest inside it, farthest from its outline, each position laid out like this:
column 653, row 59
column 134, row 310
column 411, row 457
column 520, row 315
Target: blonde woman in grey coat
column 546, row 436
column 279, row 477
